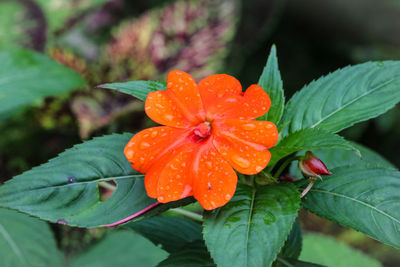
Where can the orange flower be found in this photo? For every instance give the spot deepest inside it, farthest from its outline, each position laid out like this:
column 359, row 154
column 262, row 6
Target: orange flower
column 209, row 132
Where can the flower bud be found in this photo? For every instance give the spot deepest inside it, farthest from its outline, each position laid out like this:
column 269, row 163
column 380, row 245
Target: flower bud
column 313, row 167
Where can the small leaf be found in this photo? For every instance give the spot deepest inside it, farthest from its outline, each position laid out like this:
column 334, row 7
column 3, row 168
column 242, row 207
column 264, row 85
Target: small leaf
column 327, row 251
column 271, row 81
column 66, row 188
column 26, row 76
column 307, row 139
column 251, row 229
column 365, row 198
column 293, row 244
column 194, row 254
column 138, row 89
column 172, row 233
column 26, row 241
column 121, row 248
column 345, row 97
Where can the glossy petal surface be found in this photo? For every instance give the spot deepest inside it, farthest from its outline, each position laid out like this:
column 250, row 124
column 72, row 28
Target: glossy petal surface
column 214, row 179
column 147, row 146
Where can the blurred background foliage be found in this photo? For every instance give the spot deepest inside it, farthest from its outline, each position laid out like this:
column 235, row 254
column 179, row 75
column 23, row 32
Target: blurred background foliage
column 120, row 40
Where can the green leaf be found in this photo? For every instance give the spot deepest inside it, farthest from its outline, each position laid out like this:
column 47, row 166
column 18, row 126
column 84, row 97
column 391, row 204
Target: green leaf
column 308, row 139
column 26, row 241
column 334, row 158
column 271, row 81
column 194, row 254
column 293, row 244
column 66, row 190
column 363, row 197
column 138, row 89
column 121, row 248
column 345, row 97
column 251, row 229
column 327, row 251
column 172, row 233
column 26, row 76
column 287, row 262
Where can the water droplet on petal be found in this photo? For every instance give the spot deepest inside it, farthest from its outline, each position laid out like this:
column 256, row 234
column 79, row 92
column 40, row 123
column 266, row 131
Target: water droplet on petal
column 248, row 126
column 228, row 197
column 167, row 187
column 160, row 198
column 144, row 145
column 259, row 168
column 153, row 133
column 129, row 154
column 242, row 162
column 168, row 117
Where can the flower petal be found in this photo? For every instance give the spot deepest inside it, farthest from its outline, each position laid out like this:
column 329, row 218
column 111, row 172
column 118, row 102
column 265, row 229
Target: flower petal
column 174, row 178
column 214, row 89
column 223, row 99
column 178, row 106
column 161, row 108
column 214, row 181
column 258, row 132
column 245, row 143
column 184, row 89
column 147, row 146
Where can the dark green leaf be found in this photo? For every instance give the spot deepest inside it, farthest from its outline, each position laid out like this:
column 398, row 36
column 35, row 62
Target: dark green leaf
column 121, row 248
column 66, row 188
column 292, row 247
column 287, row 262
column 26, row 76
column 26, row 241
column 172, row 233
column 308, row 139
column 327, row 251
column 251, row 229
column 194, row 254
column 345, row 97
column 365, row 198
column 271, row 82
column 138, row 89
column 334, row 158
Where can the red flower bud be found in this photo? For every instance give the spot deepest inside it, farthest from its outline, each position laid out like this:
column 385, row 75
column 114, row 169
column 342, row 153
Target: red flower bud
column 313, row 167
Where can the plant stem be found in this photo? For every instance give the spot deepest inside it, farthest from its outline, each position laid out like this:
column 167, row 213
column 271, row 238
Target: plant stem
column 189, row 214
column 307, row 189
column 108, row 186
column 285, row 164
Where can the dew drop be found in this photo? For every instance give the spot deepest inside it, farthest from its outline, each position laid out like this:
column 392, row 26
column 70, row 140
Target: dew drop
column 160, row 106
column 71, row 179
column 129, row 154
column 228, row 197
column 144, row 145
column 167, row 187
column 153, row 134
column 168, row 117
column 62, row 221
column 160, row 198
column 243, row 163
column 248, row 126
column 259, row 168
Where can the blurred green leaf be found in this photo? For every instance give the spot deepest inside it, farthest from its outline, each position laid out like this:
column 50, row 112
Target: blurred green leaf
column 327, row 251
column 287, row 262
column 308, row 139
column 345, row 97
column 271, row 82
column 26, row 76
column 120, row 248
column 237, row 233
column 26, row 241
column 172, row 233
column 138, row 89
column 194, row 254
column 65, row 190
column 363, row 197
column 293, row 244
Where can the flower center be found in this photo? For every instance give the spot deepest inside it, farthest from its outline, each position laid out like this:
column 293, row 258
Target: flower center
column 201, row 132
